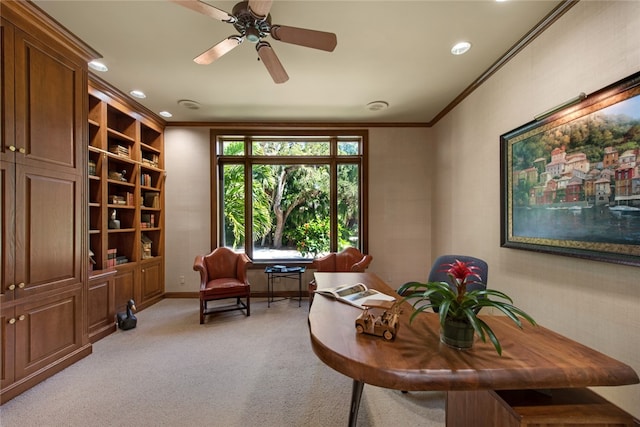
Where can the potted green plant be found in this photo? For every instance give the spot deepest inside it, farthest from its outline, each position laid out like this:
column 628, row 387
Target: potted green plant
column 458, row 308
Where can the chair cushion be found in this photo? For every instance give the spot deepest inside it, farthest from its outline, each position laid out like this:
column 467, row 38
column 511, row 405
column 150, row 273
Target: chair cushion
column 223, row 286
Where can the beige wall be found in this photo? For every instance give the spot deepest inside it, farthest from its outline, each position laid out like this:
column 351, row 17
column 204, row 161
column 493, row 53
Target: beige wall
column 595, row 303
column 187, row 202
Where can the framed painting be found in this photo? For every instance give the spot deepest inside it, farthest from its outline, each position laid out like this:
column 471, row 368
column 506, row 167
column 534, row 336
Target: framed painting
column 570, row 181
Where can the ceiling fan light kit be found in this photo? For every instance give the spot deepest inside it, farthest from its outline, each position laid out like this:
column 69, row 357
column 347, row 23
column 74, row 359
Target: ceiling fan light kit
column 252, row 20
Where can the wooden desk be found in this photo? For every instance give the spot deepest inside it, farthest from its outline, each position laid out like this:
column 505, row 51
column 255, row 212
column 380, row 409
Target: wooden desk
column 533, row 358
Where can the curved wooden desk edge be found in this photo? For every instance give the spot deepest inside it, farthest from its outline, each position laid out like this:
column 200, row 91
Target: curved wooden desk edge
column 533, row 358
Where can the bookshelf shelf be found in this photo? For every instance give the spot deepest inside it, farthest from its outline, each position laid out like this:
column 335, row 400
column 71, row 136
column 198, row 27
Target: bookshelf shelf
column 126, row 161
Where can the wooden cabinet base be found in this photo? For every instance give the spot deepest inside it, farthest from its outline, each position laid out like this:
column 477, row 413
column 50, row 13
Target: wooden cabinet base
column 533, row 408
column 102, row 304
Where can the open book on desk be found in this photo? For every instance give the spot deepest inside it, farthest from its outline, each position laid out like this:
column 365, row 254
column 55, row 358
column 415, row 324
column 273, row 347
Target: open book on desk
column 356, row 294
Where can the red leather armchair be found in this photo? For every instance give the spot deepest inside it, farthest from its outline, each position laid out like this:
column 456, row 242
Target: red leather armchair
column 223, row 274
column 349, row 259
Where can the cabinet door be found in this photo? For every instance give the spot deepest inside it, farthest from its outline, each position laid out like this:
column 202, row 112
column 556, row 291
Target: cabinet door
column 49, row 220
column 50, row 89
column 125, row 289
column 7, row 228
column 101, row 306
column 152, row 284
column 6, row 92
column 50, row 330
column 7, row 343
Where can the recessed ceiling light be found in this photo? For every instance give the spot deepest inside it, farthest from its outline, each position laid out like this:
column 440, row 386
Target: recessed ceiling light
column 377, row 105
column 165, row 114
column 98, row 66
column 460, row 48
column 138, row 94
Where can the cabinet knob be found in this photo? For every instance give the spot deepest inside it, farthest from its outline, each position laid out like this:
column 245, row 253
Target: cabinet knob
column 21, row 317
column 12, row 320
column 12, row 148
column 22, row 150
column 12, row 286
column 21, row 285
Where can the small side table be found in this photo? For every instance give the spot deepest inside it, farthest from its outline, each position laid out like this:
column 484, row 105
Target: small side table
column 292, row 273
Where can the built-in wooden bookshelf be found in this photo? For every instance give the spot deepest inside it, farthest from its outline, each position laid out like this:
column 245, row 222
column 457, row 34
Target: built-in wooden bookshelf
column 126, row 195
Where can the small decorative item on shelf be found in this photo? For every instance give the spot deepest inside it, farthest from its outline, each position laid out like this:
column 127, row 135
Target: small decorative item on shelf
column 113, row 222
column 146, row 247
column 458, row 309
column 92, row 168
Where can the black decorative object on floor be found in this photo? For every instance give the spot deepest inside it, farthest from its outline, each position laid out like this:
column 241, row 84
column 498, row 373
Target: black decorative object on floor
column 127, row 320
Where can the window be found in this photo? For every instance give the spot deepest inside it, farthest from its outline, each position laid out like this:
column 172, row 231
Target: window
column 289, row 196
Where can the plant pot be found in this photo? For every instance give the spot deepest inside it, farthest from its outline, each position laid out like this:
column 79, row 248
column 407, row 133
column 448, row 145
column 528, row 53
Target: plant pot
column 457, row 334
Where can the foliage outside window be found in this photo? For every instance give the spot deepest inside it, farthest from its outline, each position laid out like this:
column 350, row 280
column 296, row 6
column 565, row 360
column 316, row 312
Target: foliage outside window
column 290, row 196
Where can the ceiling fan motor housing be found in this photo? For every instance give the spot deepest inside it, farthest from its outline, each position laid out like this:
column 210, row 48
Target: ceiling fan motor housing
column 253, row 27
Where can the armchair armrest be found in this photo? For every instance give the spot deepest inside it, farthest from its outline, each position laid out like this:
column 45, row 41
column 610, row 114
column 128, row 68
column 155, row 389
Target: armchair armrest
column 199, row 266
column 243, row 264
column 362, row 265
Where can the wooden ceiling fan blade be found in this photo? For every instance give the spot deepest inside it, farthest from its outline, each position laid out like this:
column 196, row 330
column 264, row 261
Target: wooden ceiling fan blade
column 206, row 9
column 260, row 8
column 271, row 61
column 210, row 55
column 305, row 37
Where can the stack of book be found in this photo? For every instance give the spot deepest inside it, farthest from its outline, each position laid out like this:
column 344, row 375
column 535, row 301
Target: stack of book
column 120, row 150
column 111, row 257
column 150, row 159
column 147, row 220
column 117, row 200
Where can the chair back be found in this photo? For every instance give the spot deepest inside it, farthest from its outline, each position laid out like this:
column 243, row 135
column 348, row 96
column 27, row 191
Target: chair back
column 349, row 259
column 439, row 273
column 223, row 263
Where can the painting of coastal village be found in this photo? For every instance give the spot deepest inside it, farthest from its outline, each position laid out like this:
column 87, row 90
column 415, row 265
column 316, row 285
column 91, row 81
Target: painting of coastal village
column 579, row 181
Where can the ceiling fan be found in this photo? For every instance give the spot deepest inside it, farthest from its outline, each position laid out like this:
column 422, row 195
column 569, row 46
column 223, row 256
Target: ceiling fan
column 252, row 20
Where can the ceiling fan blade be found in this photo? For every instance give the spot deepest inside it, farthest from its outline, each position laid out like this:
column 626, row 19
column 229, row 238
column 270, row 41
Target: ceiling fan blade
column 210, row 55
column 260, row 8
column 271, row 61
column 206, row 9
column 304, row 37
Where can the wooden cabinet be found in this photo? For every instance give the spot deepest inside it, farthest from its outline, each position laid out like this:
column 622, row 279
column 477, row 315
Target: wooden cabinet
column 101, row 305
column 151, row 279
column 126, row 194
column 43, row 185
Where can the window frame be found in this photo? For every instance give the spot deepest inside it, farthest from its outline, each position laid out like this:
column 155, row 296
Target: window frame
column 218, row 160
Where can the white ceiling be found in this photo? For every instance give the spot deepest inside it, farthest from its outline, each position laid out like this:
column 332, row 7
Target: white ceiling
column 394, row 51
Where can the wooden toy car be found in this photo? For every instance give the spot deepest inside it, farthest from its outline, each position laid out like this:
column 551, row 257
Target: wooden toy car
column 384, row 325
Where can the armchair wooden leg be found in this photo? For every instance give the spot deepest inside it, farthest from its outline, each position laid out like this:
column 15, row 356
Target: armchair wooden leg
column 248, row 306
column 202, row 308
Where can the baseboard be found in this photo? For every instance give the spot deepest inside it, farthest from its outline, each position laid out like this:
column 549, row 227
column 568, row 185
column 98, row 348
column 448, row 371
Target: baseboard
column 279, row 294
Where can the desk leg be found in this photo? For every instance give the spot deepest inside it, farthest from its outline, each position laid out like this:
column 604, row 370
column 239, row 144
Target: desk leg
column 269, row 289
column 356, row 394
column 300, row 289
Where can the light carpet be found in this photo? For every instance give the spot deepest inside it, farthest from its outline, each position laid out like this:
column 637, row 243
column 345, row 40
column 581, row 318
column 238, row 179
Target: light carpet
column 232, row 371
